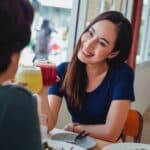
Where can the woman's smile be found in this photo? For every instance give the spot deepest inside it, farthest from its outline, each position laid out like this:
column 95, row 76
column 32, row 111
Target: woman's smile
column 86, row 52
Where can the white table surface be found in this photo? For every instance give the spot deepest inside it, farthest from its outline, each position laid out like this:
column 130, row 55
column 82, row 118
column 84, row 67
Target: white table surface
column 99, row 143
column 127, row 146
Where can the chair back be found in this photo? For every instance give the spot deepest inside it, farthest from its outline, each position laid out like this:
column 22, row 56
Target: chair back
column 133, row 126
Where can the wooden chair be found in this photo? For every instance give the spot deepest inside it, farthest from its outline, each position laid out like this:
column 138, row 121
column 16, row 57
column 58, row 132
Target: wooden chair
column 133, row 126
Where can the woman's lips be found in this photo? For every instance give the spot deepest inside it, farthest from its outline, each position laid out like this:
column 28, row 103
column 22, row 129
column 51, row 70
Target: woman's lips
column 86, row 53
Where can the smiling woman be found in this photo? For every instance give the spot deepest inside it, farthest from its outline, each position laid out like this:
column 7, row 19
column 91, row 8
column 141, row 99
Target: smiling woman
column 96, row 44
column 96, row 83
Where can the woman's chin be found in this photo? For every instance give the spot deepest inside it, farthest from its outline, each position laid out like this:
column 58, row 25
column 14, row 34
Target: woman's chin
column 82, row 58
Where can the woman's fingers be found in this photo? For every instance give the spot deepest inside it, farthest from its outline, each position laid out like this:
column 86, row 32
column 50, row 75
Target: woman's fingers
column 70, row 126
column 57, row 78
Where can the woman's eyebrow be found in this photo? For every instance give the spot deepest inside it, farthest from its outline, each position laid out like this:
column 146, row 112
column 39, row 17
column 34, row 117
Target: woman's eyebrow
column 100, row 37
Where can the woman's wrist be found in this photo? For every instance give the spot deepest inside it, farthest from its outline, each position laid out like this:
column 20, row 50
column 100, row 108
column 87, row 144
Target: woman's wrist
column 42, row 97
column 73, row 128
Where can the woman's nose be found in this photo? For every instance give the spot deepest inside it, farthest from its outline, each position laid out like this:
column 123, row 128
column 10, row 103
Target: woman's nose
column 91, row 42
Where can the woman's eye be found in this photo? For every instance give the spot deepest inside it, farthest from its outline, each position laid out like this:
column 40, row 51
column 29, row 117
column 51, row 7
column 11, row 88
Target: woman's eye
column 90, row 33
column 102, row 44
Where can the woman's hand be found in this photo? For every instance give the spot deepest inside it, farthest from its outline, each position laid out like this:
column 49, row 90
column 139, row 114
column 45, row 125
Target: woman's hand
column 44, row 90
column 70, row 126
column 57, row 78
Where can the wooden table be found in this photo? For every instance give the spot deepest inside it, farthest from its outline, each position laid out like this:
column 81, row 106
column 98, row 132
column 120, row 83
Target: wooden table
column 99, row 143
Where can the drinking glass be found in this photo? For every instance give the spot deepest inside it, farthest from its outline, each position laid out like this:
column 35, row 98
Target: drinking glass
column 49, row 72
column 30, row 75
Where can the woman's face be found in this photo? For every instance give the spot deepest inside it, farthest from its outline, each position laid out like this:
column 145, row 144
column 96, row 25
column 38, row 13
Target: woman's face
column 98, row 42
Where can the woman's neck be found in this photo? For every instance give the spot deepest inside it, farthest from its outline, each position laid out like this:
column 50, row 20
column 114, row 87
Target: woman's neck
column 96, row 74
column 95, row 70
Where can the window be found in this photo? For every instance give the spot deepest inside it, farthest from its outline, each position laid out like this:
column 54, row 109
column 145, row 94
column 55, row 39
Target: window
column 143, row 52
column 68, row 18
column 126, row 7
column 93, row 7
column 50, row 31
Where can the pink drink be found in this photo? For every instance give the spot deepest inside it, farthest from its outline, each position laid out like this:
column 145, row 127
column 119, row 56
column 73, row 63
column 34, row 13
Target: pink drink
column 49, row 73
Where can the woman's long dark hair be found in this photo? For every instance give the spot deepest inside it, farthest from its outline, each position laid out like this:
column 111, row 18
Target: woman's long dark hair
column 75, row 80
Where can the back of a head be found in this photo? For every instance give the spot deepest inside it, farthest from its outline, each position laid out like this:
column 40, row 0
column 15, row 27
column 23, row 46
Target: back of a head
column 16, row 18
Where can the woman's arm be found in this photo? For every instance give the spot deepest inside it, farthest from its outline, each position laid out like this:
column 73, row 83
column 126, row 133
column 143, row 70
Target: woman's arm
column 111, row 130
column 49, row 105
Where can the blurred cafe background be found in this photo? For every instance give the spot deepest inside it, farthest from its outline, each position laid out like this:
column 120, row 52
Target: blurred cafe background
column 58, row 24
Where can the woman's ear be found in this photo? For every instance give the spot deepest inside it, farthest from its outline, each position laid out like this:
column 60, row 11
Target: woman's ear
column 113, row 54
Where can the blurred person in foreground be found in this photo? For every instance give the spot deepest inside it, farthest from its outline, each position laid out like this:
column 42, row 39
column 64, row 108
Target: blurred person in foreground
column 97, row 83
column 19, row 125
